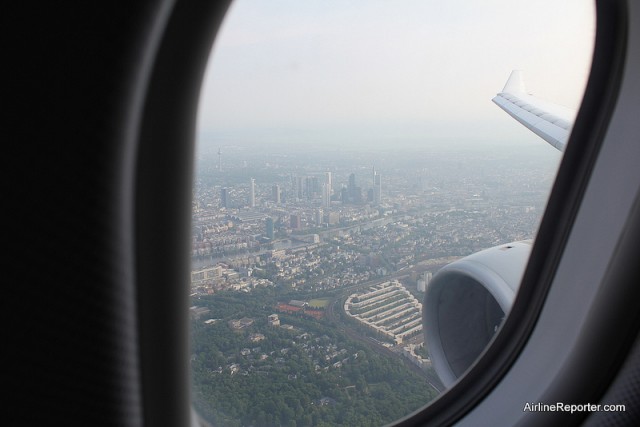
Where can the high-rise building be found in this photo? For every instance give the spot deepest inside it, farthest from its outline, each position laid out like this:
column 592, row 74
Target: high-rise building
column 328, row 182
column 252, row 193
column 352, row 186
column 308, row 186
column 377, row 189
column 276, row 194
column 318, row 217
column 224, row 197
column 354, row 192
column 421, row 285
column 315, row 186
column 296, row 221
column 300, row 187
column 427, row 276
column 326, row 196
column 357, row 195
column 423, row 282
column 269, row 228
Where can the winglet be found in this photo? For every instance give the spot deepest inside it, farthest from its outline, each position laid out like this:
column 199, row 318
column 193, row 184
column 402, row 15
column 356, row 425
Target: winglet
column 515, row 84
column 549, row 121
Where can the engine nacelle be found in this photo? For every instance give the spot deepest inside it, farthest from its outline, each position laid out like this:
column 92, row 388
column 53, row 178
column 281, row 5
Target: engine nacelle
column 466, row 302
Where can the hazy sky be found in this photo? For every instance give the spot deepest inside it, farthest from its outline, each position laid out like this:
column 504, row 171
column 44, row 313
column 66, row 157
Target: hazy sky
column 320, row 71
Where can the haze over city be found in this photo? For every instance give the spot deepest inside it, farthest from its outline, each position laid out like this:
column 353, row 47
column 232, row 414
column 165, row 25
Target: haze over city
column 347, row 151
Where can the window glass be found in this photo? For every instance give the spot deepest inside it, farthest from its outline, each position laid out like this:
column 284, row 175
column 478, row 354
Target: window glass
column 347, row 152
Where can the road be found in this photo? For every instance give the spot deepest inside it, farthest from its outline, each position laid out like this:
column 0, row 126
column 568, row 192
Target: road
column 400, row 274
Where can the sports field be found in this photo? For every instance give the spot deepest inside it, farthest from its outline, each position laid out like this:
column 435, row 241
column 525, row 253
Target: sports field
column 319, row 303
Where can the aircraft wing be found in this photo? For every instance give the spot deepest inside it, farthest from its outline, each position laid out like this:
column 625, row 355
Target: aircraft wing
column 549, row 121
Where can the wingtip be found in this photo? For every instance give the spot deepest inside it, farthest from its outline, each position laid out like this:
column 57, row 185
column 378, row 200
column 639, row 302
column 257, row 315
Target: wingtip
column 515, row 83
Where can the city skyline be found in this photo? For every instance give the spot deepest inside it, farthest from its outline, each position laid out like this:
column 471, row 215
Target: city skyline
column 497, row 181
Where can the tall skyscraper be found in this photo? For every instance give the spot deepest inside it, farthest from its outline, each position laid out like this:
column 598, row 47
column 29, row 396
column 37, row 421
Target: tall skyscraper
column 328, row 181
column 355, row 192
column 219, row 159
column 352, row 186
column 427, row 276
column 308, row 185
column 252, row 193
column 296, row 221
column 276, row 193
column 224, row 197
column 269, row 228
column 326, row 196
column 377, row 189
column 421, row 285
column 315, row 185
column 318, row 217
column 344, row 195
column 300, row 187
column 423, row 282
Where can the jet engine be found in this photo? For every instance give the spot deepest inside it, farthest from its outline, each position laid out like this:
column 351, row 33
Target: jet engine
column 466, row 302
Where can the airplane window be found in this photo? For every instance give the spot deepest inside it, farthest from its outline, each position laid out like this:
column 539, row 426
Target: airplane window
column 362, row 210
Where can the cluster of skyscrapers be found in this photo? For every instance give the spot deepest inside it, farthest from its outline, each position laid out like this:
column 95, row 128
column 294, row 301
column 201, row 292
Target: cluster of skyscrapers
column 310, row 188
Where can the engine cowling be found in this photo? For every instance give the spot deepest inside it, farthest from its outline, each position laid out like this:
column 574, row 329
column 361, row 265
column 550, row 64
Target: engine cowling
column 466, row 302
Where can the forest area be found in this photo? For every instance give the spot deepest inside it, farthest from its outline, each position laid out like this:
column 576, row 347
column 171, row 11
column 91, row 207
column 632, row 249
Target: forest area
column 303, row 372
